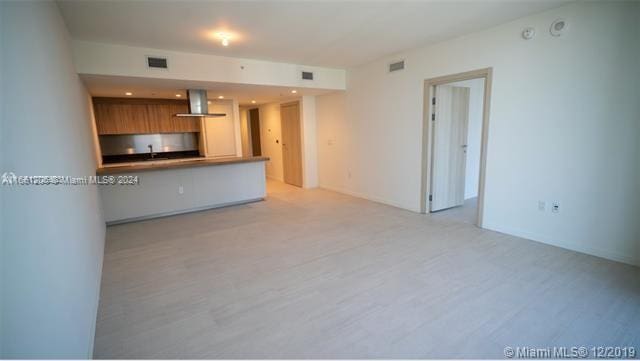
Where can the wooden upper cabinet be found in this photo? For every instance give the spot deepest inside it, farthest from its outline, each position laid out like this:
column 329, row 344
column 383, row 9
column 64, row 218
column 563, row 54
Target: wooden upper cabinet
column 142, row 116
column 105, row 121
column 158, row 116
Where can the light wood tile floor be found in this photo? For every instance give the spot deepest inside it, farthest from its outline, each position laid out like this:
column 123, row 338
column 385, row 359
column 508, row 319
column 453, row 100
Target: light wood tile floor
column 467, row 213
column 317, row 274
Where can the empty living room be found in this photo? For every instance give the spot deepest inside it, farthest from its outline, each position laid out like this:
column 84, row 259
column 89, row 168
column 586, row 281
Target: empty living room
column 278, row 179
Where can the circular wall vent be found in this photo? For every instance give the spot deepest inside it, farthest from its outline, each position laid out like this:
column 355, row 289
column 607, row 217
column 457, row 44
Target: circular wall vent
column 558, row 27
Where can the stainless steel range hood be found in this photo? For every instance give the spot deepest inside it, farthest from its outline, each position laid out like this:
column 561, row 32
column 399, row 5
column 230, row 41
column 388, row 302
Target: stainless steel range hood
column 198, row 105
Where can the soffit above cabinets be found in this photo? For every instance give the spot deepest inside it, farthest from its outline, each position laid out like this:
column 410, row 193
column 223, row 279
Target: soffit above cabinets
column 117, row 87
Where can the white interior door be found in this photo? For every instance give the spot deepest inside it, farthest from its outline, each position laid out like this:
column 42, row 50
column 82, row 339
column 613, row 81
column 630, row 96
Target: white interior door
column 449, row 147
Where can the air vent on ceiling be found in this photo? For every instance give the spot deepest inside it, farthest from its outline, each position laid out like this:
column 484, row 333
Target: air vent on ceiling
column 156, row 62
column 307, row 75
column 399, row 65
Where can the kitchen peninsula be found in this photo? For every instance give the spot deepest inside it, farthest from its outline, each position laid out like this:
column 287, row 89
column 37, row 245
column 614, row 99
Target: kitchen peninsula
column 178, row 186
column 184, row 157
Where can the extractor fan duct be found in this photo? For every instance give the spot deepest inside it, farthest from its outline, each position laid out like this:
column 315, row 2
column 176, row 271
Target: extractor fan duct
column 198, row 105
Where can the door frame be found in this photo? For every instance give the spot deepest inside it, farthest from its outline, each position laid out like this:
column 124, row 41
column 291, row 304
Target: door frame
column 427, row 134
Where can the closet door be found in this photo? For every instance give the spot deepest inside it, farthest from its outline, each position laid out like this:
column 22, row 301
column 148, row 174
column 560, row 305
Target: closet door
column 449, row 147
column 291, row 143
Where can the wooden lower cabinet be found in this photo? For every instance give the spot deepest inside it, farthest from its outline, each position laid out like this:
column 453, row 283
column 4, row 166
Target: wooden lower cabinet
column 142, row 116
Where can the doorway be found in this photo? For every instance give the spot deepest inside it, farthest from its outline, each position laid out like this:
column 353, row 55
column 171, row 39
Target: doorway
column 254, row 130
column 454, row 145
column 291, row 143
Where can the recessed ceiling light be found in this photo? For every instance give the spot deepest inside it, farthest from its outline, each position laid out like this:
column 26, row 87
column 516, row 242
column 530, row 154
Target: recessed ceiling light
column 220, row 96
column 224, row 38
column 128, row 93
column 253, row 102
column 294, row 91
column 223, row 35
column 209, row 102
column 178, row 95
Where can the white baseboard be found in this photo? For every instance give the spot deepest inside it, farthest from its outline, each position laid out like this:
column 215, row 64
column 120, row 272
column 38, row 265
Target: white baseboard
column 572, row 246
column 183, row 211
column 369, row 198
column 614, row 256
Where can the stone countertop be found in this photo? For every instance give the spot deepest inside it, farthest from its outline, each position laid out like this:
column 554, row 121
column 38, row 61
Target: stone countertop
column 173, row 163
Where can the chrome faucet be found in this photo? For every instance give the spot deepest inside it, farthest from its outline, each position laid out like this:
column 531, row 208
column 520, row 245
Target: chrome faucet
column 151, row 153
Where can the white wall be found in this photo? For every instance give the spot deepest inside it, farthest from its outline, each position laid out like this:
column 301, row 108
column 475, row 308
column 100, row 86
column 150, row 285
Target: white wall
column 223, row 135
column 333, row 135
column 474, row 135
column 271, row 139
column 2, row 167
column 53, row 236
column 308, row 128
column 120, row 60
column 564, row 126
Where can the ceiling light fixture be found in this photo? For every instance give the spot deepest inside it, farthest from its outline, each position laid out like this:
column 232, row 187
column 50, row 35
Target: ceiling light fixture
column 294, row 91
column 221, row 97
column 223, row 35
column 178, row 95
column 224, row 38
column 253, row 102
column 128, row 93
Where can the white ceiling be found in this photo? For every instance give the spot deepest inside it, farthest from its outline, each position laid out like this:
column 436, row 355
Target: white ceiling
column 116, row 86
column 325, row 33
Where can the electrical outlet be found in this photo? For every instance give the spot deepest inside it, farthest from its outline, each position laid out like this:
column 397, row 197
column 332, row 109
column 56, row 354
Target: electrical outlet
column 555, row 207
column 542, row 206
column 180, row 189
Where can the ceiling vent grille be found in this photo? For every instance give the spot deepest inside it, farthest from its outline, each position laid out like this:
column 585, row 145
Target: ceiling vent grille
column 156, row 62
column 307, row 75
column 399, row 65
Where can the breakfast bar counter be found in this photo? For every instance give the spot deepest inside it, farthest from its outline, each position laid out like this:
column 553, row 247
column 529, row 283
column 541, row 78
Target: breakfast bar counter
column 174, row 163
column 168, row 187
